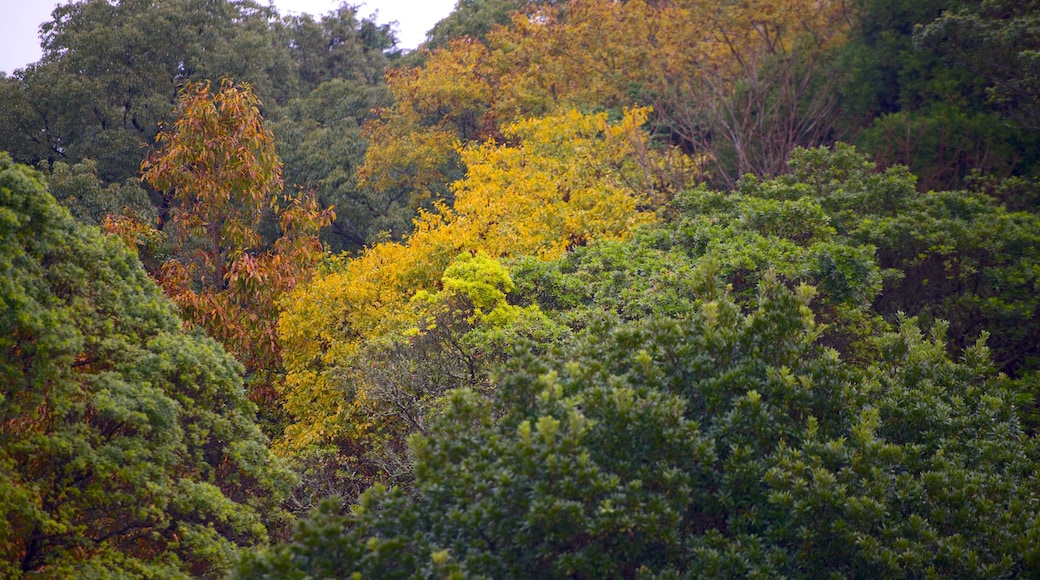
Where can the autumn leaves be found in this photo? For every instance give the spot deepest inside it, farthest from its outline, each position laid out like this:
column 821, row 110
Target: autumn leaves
column 528, row 144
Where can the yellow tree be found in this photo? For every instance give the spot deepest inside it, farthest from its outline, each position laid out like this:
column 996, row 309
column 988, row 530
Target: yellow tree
column 567, row 179
column 588, row 53
column 435, row 108
column 754, row 86
column 220, row 176
column 570, row 179
column 738, row 82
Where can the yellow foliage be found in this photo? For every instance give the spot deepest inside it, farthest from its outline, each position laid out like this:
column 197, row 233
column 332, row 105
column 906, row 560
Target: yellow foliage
column 569, row 179
column 684, row 57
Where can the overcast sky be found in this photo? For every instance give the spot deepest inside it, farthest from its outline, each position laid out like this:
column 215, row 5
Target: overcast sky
column 21, row 19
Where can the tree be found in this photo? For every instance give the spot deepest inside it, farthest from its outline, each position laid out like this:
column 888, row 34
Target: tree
column 339, row 45
column 760, row 85
column 921, row 88
column 718, row 443
column 112, row 71
column 999, row 42
column 110, row 75
column 79, row 188
column 569, row 180
column 220, row 174
column 524, row 475
column 412, row 144
column 958, row 256
column 340, row 61
column 319, row 139
column 394, row 384
column 474, row 19
column 127, row 446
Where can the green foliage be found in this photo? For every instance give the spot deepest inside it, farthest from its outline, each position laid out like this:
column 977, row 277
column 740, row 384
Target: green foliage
column 479, row 280
column 695, row 420
column 943, row 87
column 80, row 190
column 474, row 19
column 714, row 444
column 1000, row 41
column 958, row 256
column 318, row 138
column 796, row 377
column 866, row 239
column 128, row 447
column 716, row 241
column 944, row 143
column 340, row 60
column 338, row 45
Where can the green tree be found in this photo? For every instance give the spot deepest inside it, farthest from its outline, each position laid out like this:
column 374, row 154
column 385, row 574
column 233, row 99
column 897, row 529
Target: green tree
column 340, row 61
column 319, row 140
column 127, row 446
column 719, row 443
column 1000, row 42
column 79, row 189
column 959, row 256
column 110, row 75
column 926, row 85
column 339, row 45
column 475, row 19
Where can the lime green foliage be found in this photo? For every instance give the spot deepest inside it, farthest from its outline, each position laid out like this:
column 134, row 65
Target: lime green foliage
column 127, row 447
column 720, row 443
column 481, row 280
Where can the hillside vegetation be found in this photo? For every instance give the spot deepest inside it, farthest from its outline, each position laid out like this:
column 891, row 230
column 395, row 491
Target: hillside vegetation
column 580, row 288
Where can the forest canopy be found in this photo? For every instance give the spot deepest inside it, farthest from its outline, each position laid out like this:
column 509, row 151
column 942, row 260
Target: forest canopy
column 584, row 288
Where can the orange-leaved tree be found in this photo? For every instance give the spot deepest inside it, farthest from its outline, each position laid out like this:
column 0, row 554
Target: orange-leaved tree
column 221, row 180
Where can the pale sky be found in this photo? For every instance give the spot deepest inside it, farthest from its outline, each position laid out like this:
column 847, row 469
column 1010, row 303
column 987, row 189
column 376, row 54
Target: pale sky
column 21, row 20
